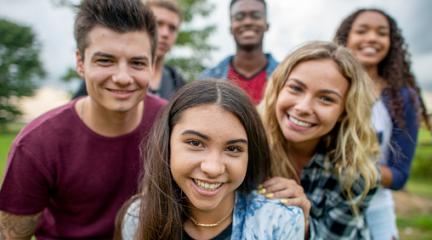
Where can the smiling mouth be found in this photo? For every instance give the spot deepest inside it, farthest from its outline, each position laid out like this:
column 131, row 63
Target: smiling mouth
column 299, row 122
column 206, row 185
column 120, row 91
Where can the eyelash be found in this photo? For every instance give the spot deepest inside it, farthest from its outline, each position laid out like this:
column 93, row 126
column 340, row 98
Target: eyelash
column 235, row 149
column 295, row 88
column 326, row 100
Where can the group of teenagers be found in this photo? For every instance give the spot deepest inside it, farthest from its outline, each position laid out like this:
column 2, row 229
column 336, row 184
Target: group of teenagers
column 308, row 148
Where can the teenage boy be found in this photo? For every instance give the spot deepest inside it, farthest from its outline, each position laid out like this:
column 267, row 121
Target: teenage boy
column 250, row 67
column 70, row 170
column 166, row 80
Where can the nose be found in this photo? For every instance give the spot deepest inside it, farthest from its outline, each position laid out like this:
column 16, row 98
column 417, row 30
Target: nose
column 213, row 165
column 303, row 105
column 163, row 31
column 122, row 75
column 372, row 36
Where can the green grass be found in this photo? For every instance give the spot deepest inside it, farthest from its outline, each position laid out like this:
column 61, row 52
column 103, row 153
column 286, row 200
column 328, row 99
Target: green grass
column 5, row 143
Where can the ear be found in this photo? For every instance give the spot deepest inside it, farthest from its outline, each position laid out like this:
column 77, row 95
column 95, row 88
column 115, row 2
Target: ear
column 79, row 64
column 267, row 26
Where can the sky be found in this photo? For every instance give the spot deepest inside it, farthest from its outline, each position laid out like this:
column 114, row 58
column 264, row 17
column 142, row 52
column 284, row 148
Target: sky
column 292, row 22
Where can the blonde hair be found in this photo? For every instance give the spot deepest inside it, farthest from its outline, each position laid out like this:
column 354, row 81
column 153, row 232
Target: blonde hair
column 351, row 145
column 171, row 5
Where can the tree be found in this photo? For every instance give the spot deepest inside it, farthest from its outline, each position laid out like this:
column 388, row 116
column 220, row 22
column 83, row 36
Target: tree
column 20, row 67
column 193, row 42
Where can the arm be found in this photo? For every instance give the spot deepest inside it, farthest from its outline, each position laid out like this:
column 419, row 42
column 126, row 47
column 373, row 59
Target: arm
column 402, row 147
column 17, row 226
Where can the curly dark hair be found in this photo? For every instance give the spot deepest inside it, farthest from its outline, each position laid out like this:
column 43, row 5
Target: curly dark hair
column 395, row 68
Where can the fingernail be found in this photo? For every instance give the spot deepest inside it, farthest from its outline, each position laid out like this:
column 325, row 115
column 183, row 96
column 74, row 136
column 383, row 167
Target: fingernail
column 269, row 195
column 262, row 191
column 284, row 201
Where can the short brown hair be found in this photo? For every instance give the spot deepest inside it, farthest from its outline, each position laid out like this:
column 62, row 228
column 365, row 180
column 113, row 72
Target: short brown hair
column 120, row 16
column 170, row 5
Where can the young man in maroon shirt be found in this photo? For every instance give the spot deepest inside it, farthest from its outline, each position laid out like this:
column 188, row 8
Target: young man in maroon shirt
column 250, row 67
column 71, row 169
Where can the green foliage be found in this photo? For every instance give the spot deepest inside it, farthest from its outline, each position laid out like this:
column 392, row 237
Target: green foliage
column 20, row 67
column 422, row 163
column 194, row 41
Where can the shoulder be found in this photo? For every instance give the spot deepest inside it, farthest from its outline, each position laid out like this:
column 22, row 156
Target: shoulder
column 49, row 122
column 269, row 217
column 131, row 220
column 218, row 71
column 175, row 76
column 272, row 62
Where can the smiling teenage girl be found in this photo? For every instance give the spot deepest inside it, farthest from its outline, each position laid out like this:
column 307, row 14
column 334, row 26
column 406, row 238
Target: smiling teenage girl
column 376, row 41
column 206, row 155
column 315, row 110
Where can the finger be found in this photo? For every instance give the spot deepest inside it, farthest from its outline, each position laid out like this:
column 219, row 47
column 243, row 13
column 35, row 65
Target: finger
column 277, row 180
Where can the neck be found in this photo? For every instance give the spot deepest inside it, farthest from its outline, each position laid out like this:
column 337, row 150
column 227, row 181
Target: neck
column 378, row 81
column 222, row 215
column 301, row 154
column 157, row 73
column 108, row 123
column 249, row 62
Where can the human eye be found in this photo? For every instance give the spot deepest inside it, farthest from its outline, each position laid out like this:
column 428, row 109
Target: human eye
column 234, row 149
column 104, row 61
column 256, row 15
column 383, row 33
column 239, row 16
column 294, row 88
column 327, row 100
column 172, row 28
column 138, row 64
column 194, row 143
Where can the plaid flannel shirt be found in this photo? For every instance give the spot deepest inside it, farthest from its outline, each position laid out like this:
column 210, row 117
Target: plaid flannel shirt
column 331, row 215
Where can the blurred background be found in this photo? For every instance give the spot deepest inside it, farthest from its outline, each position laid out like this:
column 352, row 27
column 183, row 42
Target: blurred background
column 37, row 51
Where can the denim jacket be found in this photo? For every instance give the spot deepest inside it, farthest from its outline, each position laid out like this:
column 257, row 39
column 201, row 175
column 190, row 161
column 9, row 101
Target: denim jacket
column 221, row 70
column 254, row 217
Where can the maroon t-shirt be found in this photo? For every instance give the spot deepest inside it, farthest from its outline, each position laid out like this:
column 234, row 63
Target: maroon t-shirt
column 78, row 178
column 254, row 86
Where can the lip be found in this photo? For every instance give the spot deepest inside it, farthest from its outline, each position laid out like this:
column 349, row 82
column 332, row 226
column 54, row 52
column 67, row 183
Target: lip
column 295, row 126
column 121, row 93
column 205, row 192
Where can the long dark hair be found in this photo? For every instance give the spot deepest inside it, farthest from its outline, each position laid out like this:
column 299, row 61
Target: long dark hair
column 395, row 68
column 163, row 206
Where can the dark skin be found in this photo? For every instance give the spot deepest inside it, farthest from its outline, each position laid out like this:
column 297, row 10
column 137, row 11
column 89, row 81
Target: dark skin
column 248, row 32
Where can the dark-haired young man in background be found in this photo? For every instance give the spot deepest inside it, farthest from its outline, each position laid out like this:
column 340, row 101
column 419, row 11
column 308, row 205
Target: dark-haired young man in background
column 250, row 67
column 166, row 80
column 70, row 170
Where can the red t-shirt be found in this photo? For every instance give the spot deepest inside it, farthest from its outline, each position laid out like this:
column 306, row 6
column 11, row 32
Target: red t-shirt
column 78, row 178
column 254, row 86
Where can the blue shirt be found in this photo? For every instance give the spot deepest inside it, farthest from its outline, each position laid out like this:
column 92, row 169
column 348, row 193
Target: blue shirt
column 254, row 217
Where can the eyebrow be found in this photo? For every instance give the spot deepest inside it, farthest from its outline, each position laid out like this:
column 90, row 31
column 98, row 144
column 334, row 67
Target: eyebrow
column 107, row 55
column 203, row 136
column 327, row 91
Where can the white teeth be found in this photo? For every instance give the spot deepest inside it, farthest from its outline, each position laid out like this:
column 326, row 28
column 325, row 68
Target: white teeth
column 369, row 50
column 300, row 123
column 207, row 186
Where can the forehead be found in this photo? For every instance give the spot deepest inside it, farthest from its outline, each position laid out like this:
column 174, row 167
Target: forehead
column 211, row 120
column 164, row 12
column 320, row 74
column 107, row 40
column 247, row 6
column 371, row 18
